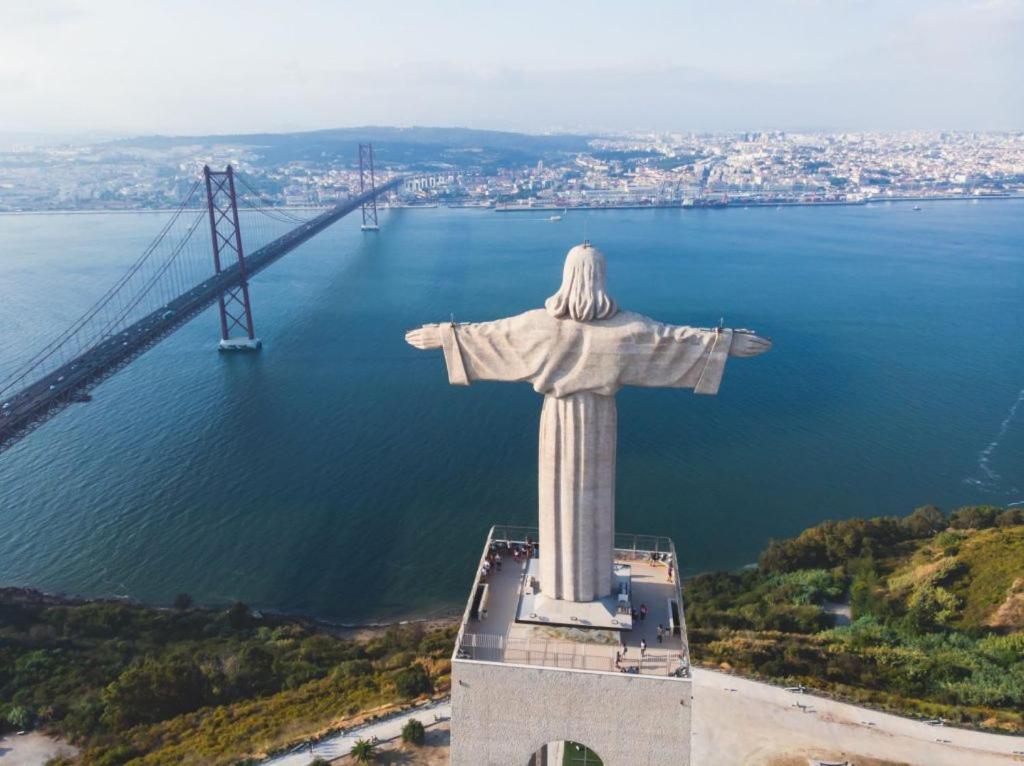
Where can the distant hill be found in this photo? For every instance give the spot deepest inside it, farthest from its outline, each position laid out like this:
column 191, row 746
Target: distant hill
column 415, row 146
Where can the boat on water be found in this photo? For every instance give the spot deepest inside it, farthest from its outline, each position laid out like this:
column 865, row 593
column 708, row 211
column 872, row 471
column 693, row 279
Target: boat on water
column 558, row 216
column 917, row 207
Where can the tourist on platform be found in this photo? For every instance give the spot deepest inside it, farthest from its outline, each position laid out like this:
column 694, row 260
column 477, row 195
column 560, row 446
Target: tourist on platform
column 643, row 648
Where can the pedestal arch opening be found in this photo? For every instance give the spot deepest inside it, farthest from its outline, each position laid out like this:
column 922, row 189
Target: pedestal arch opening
column 565, row 753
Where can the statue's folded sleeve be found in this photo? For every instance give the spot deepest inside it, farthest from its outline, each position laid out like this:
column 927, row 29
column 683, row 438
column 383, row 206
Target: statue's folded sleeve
column 453, row 356
column 711, row 376
column 498, row 350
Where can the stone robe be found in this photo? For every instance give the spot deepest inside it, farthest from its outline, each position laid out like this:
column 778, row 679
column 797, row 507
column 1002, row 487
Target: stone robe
column 578, row 367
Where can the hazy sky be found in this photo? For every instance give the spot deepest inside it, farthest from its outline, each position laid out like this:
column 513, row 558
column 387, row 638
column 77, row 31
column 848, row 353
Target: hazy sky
column 201, row 66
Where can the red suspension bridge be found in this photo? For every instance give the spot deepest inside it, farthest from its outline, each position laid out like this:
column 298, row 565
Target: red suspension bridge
column 169, row 284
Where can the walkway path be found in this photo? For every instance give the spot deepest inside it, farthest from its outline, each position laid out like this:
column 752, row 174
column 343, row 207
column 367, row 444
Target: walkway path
column 737, row 721
column 340, row 744
column 32, row 749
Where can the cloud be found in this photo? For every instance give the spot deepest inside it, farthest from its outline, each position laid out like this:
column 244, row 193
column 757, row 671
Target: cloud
column 795, row 64
column 20, row 16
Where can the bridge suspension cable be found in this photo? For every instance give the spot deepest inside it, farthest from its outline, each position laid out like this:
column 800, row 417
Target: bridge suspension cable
column 173, row 279
column 256, row 200
column 104, row 316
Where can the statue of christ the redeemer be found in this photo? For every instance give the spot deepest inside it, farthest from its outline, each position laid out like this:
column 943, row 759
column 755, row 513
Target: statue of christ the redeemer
column 578, row 351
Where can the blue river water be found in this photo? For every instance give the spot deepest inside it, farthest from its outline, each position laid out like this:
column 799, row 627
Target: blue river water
column 336, row 473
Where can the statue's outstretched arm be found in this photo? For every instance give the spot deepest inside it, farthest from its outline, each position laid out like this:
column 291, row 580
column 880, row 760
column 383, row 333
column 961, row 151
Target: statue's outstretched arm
column 746, row 343
column 426, row 337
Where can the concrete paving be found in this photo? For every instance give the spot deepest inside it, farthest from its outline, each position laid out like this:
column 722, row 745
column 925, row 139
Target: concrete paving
column 736, row 721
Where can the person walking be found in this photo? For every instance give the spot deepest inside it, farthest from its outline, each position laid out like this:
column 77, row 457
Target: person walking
column 643, row 612
column 643, row 648
column 661, row 633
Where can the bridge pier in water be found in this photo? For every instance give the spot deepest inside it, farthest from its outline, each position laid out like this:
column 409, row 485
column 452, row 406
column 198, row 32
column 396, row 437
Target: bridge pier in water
column 226, row 234
column 166, row 287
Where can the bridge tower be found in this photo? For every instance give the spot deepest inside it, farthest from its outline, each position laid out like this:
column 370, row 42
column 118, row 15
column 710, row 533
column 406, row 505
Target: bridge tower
column 235, row 309
column 366, row 171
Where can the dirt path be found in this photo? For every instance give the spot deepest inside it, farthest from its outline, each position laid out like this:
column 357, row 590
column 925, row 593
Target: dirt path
column 32, row 749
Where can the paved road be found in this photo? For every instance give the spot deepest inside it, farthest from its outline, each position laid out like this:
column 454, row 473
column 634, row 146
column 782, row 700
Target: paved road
column 340, row 744
column 758, row 722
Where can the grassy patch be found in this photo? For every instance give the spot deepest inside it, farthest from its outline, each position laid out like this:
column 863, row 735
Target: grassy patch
column 994, row 560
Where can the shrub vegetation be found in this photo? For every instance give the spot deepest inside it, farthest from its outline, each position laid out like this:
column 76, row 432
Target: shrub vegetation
column 133, row 684
column 413, row 732
column 937, row 608
column 937, row 629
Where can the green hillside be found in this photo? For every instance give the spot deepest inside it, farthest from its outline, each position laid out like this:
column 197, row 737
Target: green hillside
column 937, row 607
column 133, row 684
column 922, row 615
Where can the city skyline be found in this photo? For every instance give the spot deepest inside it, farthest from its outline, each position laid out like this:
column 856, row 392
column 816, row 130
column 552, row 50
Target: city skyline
column 506, row 170
column 120, row 69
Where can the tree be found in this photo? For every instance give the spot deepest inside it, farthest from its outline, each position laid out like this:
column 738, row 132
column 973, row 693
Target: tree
column 1010, row 517
column 832, row 543
column 364, row 751
column 414, row 681
column 925, row 521
column 974, row 517
column 254, row 673
column 153, row 690
column 930, row 607
column 413, row 732
column 19, row 717
column 182, row 602
column 238, row 615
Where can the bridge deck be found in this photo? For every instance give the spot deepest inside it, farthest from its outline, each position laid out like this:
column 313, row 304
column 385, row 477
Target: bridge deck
column 42, row 399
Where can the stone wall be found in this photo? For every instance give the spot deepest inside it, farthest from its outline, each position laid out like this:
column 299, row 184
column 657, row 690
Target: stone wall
column 502, row 714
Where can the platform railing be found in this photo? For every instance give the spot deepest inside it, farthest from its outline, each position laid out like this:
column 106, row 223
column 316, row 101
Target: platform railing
column 626, row 547
column 567, row 655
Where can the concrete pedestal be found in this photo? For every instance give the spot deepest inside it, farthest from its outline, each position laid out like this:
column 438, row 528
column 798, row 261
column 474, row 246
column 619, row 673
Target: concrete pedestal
column 240, row 344
column 502, row 714
column 562, row 672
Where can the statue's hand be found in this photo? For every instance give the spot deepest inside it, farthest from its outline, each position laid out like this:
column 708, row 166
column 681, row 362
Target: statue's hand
column 426, row 337
column 745, row 343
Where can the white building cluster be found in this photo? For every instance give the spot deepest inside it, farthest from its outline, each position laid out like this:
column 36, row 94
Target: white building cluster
column 637, row 169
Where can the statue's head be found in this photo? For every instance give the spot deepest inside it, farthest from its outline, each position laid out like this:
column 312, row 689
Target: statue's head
column 583, row 295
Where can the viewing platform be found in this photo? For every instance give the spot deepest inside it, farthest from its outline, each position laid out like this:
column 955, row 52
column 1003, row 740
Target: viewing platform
column 507, row 619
